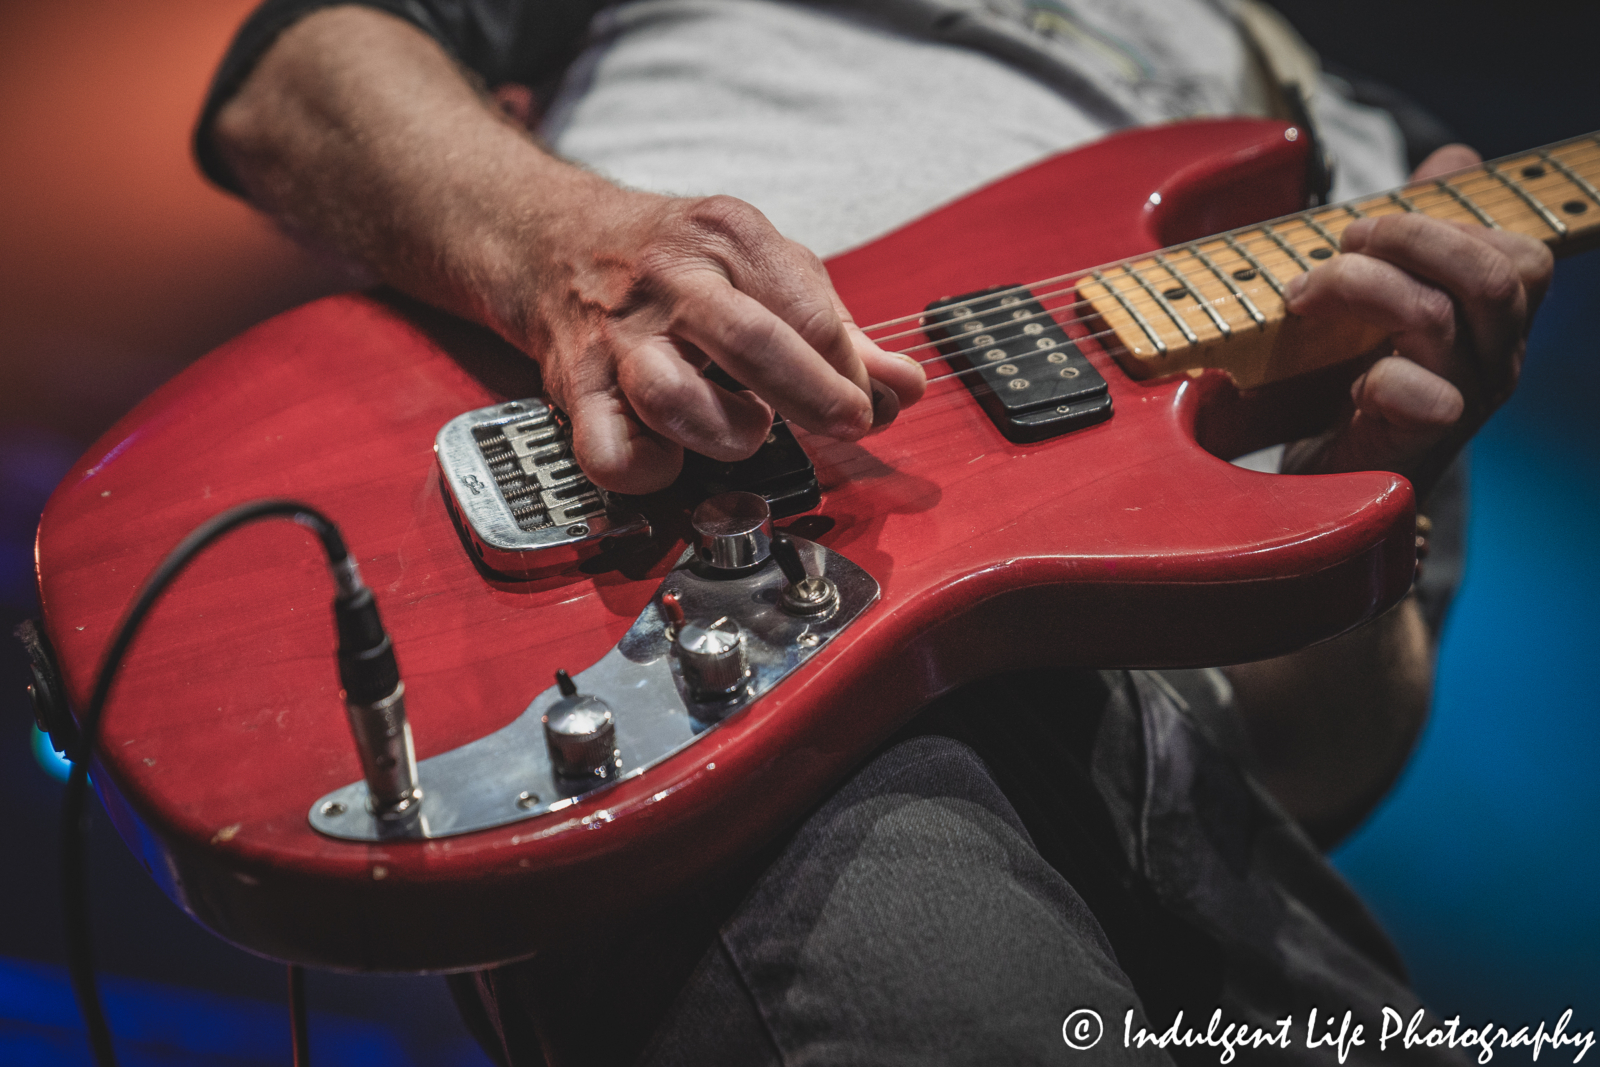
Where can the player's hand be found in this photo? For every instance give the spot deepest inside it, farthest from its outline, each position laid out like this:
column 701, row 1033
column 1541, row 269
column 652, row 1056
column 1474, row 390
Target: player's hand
column 1457, row 301
column 633, row 295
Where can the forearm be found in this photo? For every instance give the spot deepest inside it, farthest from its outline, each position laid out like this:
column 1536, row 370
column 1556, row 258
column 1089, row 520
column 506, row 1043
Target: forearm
column 1333, row 725
column 360, row 134
column 358, row 131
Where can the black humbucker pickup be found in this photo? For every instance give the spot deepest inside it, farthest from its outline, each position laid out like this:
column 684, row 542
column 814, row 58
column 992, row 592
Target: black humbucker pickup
column 1019, row 363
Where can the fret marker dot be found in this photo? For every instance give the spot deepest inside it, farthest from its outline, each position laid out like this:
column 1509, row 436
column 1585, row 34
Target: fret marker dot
column 1322, row 253
column 1177, row 292
column 1574, row 207
column 1244, row 275
column 1533, row 171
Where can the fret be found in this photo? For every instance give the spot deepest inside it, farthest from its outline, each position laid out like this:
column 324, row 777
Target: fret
column 1543, row 212
column 1551, row 193
column 1266, row 275
column 1220, row 323
column 1466, row 202
column 1395, row 196
column 1322, row 233
column 1238, row 294
column 1164, row 304
column 1133, row 312
column 1576, row 179
column 1287, row 248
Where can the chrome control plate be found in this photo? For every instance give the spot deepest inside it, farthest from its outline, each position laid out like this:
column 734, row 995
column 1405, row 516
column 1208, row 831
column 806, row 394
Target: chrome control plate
column 507, row 776
column 516, row 489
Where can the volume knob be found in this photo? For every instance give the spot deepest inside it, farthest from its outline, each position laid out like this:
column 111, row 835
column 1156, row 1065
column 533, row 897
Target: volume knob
column 735, row 531
column 713, row 658
column 581, row 733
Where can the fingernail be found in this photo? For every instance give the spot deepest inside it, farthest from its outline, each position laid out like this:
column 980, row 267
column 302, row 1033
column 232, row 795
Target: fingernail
column 1293, row 287
column 885, row 405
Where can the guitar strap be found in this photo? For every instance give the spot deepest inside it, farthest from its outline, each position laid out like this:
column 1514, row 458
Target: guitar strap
column 1290, row 69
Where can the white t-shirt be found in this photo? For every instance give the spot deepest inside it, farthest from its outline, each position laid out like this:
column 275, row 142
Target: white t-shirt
column 842, row 122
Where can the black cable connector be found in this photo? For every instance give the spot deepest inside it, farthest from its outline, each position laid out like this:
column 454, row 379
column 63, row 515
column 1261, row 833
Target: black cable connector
column 367, row 668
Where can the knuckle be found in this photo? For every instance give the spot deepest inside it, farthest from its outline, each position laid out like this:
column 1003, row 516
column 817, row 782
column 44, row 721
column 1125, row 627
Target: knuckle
column 728, row 219
column 842, row 408
column 1433, row 311
column 820, row 327
column 660, row 400
column 1498, row 282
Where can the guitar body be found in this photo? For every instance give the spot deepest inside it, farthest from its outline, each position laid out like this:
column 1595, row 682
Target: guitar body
column 1124, row 544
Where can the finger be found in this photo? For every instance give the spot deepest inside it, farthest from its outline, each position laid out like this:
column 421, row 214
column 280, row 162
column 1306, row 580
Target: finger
column 1532, row 260
column 784, row 277
column 1482, row 279
column 1446, row 160
column 670, row 396
column 897, row 379
column 794, row 285
column 617, row 451
column 768, row 356
column 1418, row 318
column 1407, row 396
column 1401, row 413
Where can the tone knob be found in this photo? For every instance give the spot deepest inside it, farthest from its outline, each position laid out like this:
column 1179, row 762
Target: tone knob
column 735, row 531
column 581, row 733
column 713, row 658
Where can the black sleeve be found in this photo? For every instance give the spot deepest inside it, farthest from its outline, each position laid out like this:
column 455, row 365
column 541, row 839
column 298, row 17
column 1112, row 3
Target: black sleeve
column 524, row 41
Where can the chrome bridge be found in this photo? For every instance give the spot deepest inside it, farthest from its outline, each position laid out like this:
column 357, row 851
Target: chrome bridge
column 515, row 489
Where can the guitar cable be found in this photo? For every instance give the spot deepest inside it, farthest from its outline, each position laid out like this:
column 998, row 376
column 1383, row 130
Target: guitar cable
column 366, row 665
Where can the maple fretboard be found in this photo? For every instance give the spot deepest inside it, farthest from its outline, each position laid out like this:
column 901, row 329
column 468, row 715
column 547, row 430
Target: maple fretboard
column 1219, row 302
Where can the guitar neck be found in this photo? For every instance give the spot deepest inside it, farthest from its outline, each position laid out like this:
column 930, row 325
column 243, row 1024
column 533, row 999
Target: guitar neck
column 1219, row 303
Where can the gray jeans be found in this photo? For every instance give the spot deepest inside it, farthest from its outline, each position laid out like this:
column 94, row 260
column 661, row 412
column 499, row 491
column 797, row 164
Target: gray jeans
column 1047, row 843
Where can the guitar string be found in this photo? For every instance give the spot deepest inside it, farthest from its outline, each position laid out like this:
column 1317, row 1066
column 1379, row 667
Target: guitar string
column 935, row 405
column 1050, row 312
column 1135, row 293
column 1189, row 314
column 1500, row 197
column 1195, row 312
column 1483, row 201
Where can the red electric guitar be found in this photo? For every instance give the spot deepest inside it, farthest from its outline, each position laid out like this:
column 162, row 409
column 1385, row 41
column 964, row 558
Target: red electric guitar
column 1061, row 497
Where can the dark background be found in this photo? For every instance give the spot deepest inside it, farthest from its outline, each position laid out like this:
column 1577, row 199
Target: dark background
column 118, row 266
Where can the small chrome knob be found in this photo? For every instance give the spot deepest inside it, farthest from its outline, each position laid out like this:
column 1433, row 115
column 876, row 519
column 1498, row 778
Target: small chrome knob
column 735, row 531
column 713, row 658
column 581, row 733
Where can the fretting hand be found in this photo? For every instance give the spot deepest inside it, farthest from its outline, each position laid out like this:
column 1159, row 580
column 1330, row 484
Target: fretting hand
column 1456, row 300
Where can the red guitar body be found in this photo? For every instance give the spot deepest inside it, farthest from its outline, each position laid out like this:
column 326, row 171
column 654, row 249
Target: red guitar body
column 1125, row 544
